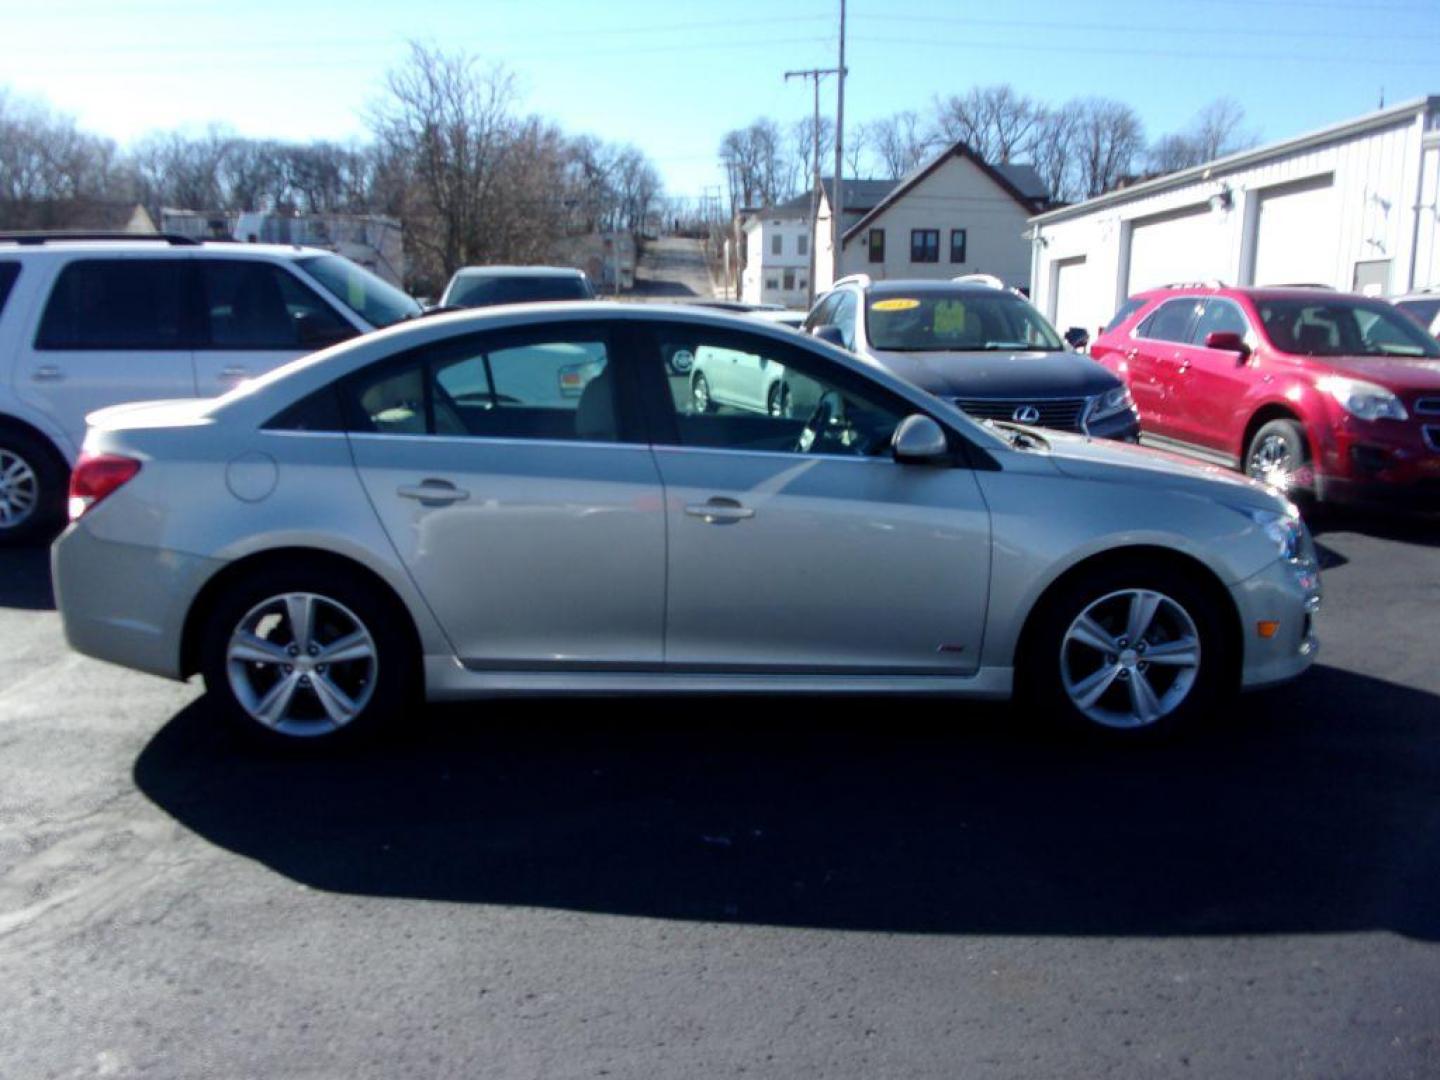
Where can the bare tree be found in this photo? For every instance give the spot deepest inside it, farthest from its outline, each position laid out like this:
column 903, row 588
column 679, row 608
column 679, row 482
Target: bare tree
column 1054, row 150
column 754, row 161
column 897, row 142
column 1109, row 136
column 997, row 122
column 1215, row 131
column 44, row 156
column 802, row 150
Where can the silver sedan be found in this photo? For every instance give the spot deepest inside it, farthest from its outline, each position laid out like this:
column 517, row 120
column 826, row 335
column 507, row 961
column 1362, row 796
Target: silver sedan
column 528, row 501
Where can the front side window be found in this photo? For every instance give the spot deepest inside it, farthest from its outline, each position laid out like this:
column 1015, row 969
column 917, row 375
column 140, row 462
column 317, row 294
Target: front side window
column 877, row 245
column 963, row 320
column 118, row 304
column 1128, row 308
column 957, row 245
column 9, row 271
column 549, row 388
column 1171, row 321
column 821, row 313
column 374, row 300
column 1218, row 317
column 924, row 245
column 250, row 304
column 1338, row 327
column 751, row 393
column 844, row 318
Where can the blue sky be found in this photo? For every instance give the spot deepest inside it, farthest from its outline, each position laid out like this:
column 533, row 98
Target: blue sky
column 673, row 75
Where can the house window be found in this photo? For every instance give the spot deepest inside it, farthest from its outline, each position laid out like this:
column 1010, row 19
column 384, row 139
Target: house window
column 957, row 245
column 877, row 245
column 772, row 283
column 777, row 245
column 802, row 245
column 789, row 280
column 924, row 245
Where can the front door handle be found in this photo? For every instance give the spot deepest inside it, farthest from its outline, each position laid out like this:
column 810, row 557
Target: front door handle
column 432, row 492
column 720, row 511
column 234, row 372
column 48, row 373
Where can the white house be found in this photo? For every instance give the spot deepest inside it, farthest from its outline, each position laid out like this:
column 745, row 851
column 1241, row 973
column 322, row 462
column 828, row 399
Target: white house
column 953, row 215
column 777, row 254
column 1351, row 206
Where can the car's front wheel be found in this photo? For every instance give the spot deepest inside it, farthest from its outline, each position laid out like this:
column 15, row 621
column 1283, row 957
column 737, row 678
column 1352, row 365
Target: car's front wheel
column 32, row 489
column 1278, row 455
column 700, row 398
column 1129, row 652
column 309, row 654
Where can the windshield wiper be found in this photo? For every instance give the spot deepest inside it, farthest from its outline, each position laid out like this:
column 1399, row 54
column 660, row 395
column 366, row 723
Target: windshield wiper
column 1020, row 436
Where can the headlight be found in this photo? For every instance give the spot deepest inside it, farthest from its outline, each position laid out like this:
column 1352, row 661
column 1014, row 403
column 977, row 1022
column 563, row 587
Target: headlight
column 1112, row 402
column 1363, row 400
column 1286, row 530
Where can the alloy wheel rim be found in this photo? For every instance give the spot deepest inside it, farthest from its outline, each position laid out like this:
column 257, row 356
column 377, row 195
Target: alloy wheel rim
column 1270, row 461
column 1130, row 658
column 302, row 664
column 700, row 390
column 777, row 401
column 19, row 490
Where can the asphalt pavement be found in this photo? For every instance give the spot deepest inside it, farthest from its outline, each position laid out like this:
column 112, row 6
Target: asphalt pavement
column 682, row 887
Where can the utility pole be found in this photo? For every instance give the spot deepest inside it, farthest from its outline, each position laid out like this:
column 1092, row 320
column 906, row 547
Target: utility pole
column 837, row 230
column 814, row 75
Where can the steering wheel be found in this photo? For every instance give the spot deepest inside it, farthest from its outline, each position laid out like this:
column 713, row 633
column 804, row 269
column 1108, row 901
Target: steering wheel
column 821, row 418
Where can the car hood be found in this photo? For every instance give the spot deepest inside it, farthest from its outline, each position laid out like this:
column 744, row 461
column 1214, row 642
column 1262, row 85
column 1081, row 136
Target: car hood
column 1108, row 460
column 998, row 374
column 1391, row 372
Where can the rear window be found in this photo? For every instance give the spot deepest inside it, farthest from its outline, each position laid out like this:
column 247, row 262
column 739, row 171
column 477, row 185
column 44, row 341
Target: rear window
column 9, row 271
column 117, row 304
column 486, row 291
column 1171, row 321
column 1422, row 311
column 1130, row 307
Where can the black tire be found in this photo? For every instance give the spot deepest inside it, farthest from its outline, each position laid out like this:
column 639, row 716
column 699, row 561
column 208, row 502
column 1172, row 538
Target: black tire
column 1048, row 657
column 1287, row 438
column 382, row 690
column 777, row 400
column 699, row 385
column 45, row 482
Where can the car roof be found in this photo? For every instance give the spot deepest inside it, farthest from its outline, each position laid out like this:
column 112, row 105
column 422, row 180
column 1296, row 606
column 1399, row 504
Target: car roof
column 929, row 287
column 1254, row 292
column 518, row 271
column 141, row 246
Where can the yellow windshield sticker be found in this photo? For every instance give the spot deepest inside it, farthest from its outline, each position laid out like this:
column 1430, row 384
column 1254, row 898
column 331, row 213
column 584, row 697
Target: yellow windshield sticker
column 949, row 317
column 894, row 304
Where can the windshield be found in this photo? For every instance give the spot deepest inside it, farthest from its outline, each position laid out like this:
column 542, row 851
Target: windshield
column 962, row 321
column 1338, row 326
column 483, row 291
column 375, row 301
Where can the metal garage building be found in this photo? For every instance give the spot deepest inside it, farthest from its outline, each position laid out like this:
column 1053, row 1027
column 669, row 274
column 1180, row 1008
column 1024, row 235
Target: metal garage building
column 1352, row 206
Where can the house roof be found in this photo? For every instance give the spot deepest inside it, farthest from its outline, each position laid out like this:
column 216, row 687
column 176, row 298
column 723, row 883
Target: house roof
column 1382, row 118
column 860, row 196
column 1009, row 181
column 1026, row 179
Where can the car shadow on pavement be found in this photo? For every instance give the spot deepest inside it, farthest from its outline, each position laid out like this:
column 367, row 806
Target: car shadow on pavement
column 1419, row 529
column 25, row 579
column 1309, row 809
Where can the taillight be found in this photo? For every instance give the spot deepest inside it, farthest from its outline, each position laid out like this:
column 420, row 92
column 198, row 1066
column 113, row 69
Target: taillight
column 96, row 476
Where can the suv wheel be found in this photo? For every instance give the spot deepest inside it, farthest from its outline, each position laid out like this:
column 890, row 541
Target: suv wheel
column 1129, row 653
column 1278, row 456
column 305, row 654
column 32, row 489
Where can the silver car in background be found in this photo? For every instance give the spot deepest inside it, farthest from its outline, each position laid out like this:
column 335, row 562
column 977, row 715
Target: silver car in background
column 528, row 501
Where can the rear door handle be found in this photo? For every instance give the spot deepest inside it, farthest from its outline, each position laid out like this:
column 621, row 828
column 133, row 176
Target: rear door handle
column 48, row 373
column 720, row 511
column 432, row 492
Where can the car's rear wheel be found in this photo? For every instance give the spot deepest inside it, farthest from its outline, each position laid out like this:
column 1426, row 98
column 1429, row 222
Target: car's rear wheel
column 700, row 393
column 32, row 489
column 1129, row 653
column 1278, row 455
column 306, row 655
column 777, row 401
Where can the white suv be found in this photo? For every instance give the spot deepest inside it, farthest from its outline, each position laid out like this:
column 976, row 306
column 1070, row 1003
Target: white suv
column 86, row 323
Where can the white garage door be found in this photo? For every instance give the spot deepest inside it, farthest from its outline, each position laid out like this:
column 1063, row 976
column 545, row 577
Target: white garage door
column 1297, row 235
column 1072, row 303
column 1187, row 245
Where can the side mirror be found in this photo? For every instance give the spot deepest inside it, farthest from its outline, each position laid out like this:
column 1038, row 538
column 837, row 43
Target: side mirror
column 1078, row 338
column 919, row 441
column 830, row 334
column 1227, row 341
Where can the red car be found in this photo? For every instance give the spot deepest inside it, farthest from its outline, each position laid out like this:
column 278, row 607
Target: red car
column 1325, row 394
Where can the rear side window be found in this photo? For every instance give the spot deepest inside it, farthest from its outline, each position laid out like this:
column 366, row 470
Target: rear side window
column 117, row 304
column 1171, row 321
column 1130, row 307
column 257, row 305
column 9, row 271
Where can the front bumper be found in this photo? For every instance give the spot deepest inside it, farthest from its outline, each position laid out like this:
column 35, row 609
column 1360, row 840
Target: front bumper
column 1124, row 426
column 125, row 603
column 1389, row 463
column 1288, row 596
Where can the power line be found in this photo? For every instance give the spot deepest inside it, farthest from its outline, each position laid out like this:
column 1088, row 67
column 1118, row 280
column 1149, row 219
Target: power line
column 1050, row 25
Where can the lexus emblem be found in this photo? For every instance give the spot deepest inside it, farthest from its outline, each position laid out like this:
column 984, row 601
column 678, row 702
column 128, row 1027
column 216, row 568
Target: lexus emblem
column 1026, row 414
